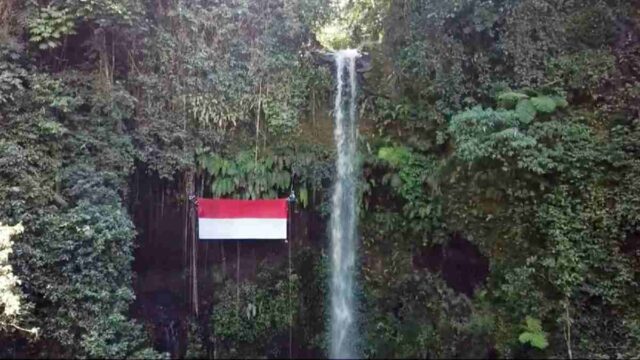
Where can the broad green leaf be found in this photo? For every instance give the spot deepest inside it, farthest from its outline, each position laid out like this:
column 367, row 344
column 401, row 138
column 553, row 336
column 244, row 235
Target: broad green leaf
column 537, row 340
column 304, row 196
column 561, row 102
column 525, row 111
column 510, row 99
column 533, row 324
column 544, row 104
column 533, row 334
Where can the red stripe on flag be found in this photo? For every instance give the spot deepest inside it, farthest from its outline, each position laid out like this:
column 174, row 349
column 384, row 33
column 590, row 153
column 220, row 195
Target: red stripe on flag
column 234, row 209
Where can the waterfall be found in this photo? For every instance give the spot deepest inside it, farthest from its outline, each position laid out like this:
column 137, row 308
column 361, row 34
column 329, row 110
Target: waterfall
column 343, row 210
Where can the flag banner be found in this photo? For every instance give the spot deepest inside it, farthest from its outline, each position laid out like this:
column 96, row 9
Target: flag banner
column 242, row 219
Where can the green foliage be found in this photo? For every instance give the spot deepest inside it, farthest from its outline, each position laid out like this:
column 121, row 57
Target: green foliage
column 415, row 181
column 556, row 234
column 584, row 71
column 65, row 253
column 11, row 295
column 592, row 26
column 395, row 156
column 74, row 259
column 245, row 177
column 206, row 77
column 479, row 132
column 566, row 266
column 12, row 76
column 115, row 337
column 245, row 323
column 355, row 24
column 526, row 110
column 50, row 26
column 282, row 109
column 333, row 37
column 512, row 138
column 544, row 104
column 513, row 123
column 416, row 316
column 533, row 334
column 195, row 346
column 105, row 12
column 529, row 175
column 510, row 99
column 269, row 176
column 207, row 110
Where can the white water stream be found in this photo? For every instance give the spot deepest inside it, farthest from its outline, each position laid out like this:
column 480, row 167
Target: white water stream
column 344, row 212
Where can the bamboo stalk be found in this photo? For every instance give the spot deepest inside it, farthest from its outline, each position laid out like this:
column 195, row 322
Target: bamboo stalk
column 567, row 330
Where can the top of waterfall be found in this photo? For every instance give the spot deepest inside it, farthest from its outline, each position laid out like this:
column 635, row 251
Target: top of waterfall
column 347, row 53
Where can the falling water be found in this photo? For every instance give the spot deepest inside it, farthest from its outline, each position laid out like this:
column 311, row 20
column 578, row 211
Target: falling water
column 343, row 212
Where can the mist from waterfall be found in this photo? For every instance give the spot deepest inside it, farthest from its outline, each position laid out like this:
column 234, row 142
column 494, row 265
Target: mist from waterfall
column 343, row 210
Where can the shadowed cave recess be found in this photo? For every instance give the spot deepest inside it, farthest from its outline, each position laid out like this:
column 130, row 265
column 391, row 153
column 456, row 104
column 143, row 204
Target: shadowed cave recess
column 163, row 261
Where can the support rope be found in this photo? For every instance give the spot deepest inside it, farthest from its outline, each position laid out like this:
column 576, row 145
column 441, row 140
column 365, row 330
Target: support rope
column 238, row 278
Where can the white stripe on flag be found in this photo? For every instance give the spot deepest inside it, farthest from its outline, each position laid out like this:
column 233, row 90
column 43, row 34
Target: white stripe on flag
column 242, row 228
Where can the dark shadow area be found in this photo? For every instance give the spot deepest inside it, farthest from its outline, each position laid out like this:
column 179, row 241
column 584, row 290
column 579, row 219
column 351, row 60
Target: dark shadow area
column 162, row 264
column 459, row 262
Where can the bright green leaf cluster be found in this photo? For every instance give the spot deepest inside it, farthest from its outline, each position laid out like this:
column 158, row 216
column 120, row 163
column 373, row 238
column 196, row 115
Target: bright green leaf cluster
column 244, row 323
column 50, row 26
column 245, row 177
column 533, row 334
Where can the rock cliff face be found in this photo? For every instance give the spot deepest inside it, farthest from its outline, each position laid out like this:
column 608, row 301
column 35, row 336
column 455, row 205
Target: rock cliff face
column 162, row 264
column 459, row 263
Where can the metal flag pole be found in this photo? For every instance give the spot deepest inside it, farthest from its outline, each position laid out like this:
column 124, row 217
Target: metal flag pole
column 238, row 279
column 292, row 201
column 194, row 259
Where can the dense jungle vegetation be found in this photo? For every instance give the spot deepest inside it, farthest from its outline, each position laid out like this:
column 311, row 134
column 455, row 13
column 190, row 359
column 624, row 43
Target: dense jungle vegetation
column 500, row 192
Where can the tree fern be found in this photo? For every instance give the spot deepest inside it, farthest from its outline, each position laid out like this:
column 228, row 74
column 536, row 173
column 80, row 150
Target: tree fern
column 533, row 334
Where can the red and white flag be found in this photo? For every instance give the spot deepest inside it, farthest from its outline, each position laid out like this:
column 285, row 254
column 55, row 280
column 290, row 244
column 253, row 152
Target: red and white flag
column 242, row 219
